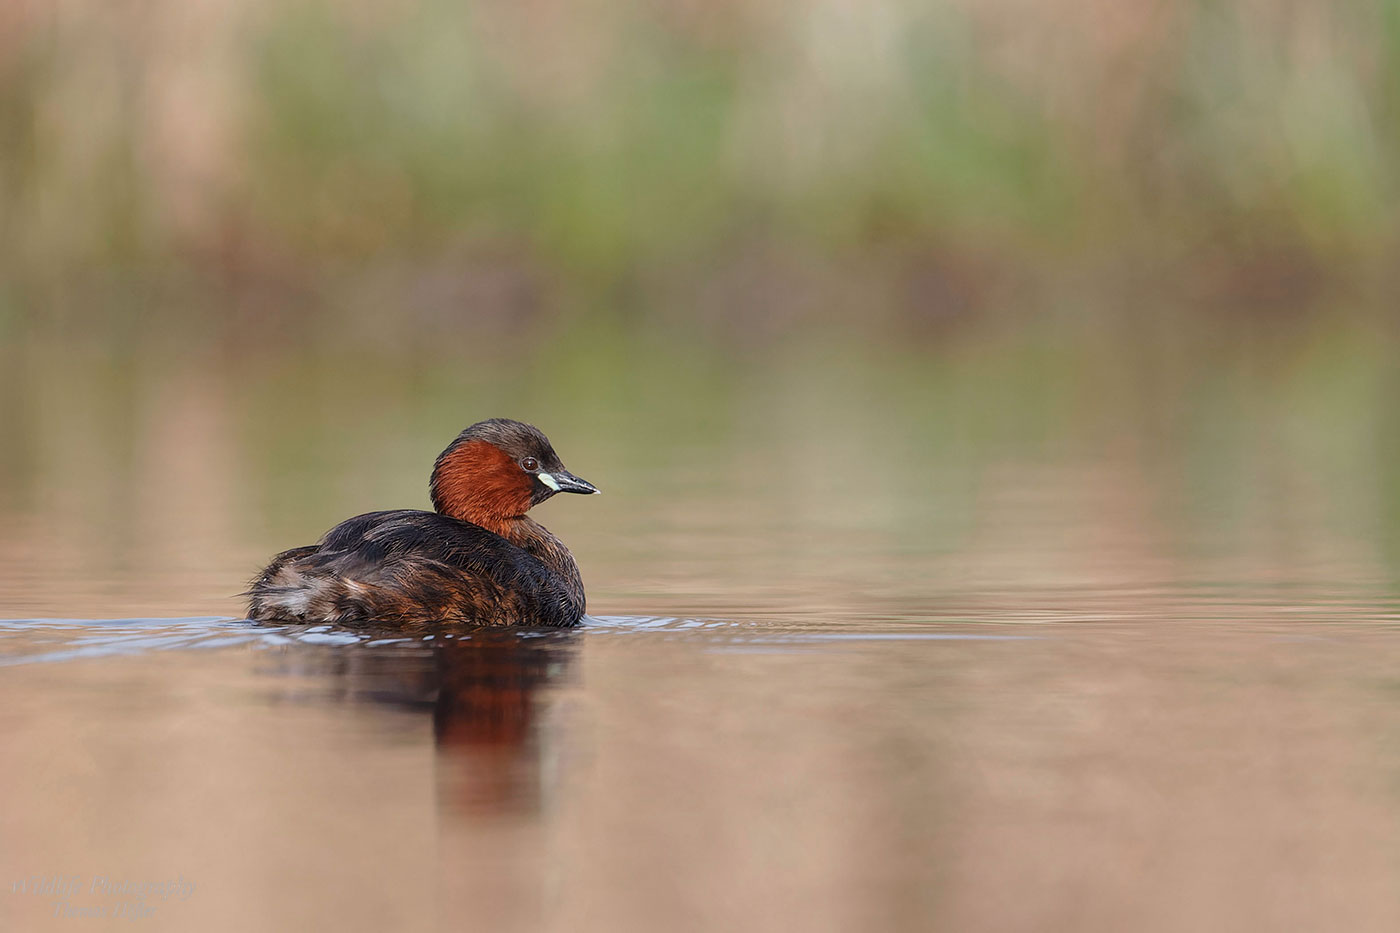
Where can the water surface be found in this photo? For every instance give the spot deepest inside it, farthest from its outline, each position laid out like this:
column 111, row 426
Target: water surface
column 980, row 773
column 884, row 649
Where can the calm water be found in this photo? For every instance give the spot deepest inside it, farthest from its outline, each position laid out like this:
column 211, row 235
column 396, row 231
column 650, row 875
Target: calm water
column 864, row 655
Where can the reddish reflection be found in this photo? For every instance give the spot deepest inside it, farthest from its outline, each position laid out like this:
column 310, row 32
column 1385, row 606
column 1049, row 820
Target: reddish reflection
column 486, row 720
column 482, row 688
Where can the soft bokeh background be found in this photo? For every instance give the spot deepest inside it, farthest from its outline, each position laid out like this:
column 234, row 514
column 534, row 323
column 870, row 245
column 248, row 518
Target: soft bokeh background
column 814, row 280
column 999, row 394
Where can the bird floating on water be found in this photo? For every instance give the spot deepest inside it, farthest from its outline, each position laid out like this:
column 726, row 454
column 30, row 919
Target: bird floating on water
column 477, row 559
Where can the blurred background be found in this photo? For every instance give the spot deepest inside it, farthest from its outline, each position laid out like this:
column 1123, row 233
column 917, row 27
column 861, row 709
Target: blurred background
column 885, row 327
column 839, row 302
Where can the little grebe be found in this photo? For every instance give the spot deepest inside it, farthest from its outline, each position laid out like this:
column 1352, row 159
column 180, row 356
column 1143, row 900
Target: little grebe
column 477, row 559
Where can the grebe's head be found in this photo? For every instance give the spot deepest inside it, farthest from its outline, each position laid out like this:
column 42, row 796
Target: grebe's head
column 496, row 470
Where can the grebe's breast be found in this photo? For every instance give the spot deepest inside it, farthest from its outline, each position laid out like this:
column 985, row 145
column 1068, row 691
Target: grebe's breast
column 409, row 566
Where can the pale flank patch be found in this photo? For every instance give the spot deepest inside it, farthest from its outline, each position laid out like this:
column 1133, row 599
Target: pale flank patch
column 295, row 603
column 549, row 481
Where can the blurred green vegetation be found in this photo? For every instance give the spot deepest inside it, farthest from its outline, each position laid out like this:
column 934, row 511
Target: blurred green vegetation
column 435, row 173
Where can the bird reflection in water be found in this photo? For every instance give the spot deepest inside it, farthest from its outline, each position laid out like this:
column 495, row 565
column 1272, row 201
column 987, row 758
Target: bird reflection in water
column 482, row 687
column 491, row 740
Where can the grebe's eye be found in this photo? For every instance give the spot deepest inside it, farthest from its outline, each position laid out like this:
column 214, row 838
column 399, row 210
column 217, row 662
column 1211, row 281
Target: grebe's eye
column 529, row 464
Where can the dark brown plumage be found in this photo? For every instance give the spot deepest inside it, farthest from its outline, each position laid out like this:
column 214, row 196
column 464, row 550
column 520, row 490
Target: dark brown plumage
column 476, row 560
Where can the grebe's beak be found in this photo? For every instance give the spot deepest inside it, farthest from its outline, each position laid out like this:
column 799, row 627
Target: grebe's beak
column 564, row 481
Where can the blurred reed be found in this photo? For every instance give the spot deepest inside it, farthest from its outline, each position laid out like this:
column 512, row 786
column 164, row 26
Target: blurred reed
column 741, row 171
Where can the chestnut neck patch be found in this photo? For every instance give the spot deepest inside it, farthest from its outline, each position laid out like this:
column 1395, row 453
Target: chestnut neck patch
column 479, row 483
